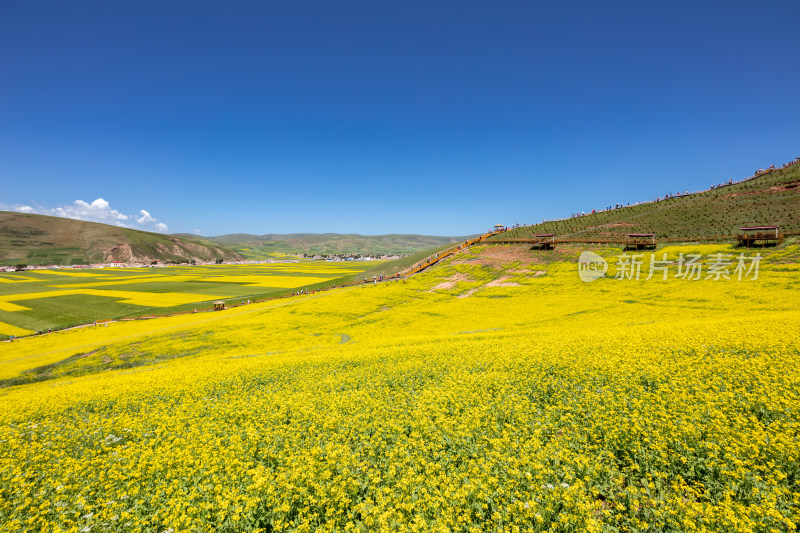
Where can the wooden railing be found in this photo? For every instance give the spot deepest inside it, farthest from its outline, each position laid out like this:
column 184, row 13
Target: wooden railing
column 432, row 260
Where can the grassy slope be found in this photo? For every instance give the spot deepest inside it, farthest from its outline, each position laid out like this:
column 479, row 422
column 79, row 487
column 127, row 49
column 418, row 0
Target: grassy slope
column 256, row 246
column 773, row 200
column 44, row 240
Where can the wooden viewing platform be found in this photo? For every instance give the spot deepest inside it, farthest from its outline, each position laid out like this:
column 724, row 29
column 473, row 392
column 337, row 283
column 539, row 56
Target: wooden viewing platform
column 640, row 241
column 544, row 241
column 753, row 235
column 756, row 236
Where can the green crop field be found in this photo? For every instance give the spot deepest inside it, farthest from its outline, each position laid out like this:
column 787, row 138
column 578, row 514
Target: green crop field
column 37, row 300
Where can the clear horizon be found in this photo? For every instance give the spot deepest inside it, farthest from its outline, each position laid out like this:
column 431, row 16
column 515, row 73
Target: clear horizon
column 384, row 118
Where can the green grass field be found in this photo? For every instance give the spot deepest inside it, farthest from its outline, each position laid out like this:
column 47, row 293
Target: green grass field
column 51, row 299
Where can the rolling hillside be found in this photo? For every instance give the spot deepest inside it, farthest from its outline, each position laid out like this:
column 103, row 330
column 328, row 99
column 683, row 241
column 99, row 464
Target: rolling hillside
column 45, row 240
column 772, row 199
column 260, row 246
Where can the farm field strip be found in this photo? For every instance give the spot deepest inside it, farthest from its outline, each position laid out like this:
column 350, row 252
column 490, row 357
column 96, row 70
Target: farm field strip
column 285, row 282
column 73, row 274
column 125, row 281
column 36, row 300
column 132, row 297
column 17, row 279
column 8, row 306
column 8, row 329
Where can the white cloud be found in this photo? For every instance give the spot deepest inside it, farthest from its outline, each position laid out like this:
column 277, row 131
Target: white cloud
column 99, row 211
column 198, row 232
column 145, row 218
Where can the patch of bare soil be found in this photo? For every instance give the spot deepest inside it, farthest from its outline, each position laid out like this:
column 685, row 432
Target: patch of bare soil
column 496, row 255
column 792, row 185
column 450, row 282
column 534, row 273
column 747, row 193
column 120, row 252
column 502, row 282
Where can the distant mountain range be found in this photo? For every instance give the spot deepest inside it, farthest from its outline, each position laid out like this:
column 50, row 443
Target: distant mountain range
column 45, row 240
column 771, row 198
column 261, row 246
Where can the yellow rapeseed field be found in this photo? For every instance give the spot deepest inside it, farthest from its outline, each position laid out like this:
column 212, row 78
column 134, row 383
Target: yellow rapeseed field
column 40, row 300
column 8, row 329
column 163, row 299
column 479, row 396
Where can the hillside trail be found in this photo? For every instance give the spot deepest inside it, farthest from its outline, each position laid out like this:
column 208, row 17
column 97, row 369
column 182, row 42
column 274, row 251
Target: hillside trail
column 619, row 221
column 442, row 255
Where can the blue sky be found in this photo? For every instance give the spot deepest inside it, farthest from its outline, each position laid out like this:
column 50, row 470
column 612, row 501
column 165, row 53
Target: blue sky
column 385, row 117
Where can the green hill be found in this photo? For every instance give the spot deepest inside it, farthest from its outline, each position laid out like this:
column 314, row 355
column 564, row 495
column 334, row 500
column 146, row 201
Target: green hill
column 46, row 240
column 772, row 199
column 260, row 246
